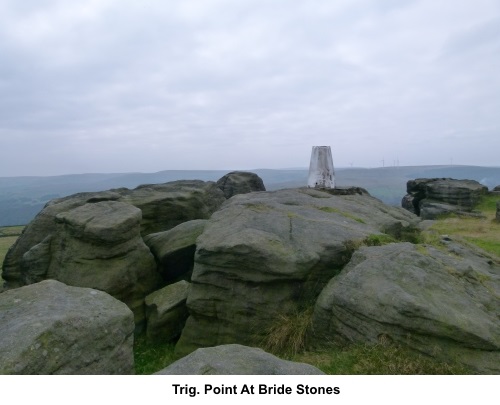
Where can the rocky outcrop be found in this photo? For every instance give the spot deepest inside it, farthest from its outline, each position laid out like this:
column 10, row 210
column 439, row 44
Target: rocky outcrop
column 166, row 312
column 264, row 255
column 51, row 328
column 96, row 245
column 442, row 303
column 430, row 198
column 236, row 359
column 99, row 246
column 40, row 231
column 349, row 190
column 174, row 249
column 163, row 207
column 240, row 183
column 260, row 258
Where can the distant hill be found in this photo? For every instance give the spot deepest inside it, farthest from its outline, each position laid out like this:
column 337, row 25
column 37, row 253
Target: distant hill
column 21, row 198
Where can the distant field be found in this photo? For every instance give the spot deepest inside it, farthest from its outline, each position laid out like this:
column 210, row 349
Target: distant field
column 8, row 235
column 6, row 231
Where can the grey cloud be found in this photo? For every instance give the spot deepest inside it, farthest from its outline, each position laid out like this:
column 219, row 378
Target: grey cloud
column 479, row 40
column 124, row 86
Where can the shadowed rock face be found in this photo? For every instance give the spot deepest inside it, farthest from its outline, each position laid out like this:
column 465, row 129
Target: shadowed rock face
column 236, row 360
column 174, row 249
column 267, row 254
column 51, row 328
column 430, row 198
column 442, row 303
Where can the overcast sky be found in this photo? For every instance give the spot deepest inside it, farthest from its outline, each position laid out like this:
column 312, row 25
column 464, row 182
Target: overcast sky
column 121, row 86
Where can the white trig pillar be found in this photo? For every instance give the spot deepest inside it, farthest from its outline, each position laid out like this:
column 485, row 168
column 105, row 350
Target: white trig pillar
column 321, row 174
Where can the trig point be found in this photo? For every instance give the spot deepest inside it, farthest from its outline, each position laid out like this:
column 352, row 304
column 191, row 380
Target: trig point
column 321, row 174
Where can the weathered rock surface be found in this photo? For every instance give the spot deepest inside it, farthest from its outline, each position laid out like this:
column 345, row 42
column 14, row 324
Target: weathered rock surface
column 41, row 229
column 163, row 207
column 235, row 359
column 36, row 261
column 51, row 328
column 430, row 198
column 166, row 312
column 96, row 245
column 240, row 183
column 267, row 254
column 174, row 249
column 346, row 190
column 442, row 303
column 99, row 246
column 432, row 210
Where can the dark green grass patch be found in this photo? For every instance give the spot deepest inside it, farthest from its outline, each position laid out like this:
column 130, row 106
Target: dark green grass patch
column 379, row 359
column 152, row 357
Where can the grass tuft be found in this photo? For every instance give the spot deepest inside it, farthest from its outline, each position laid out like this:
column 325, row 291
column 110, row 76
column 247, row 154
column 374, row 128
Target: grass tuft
column 378, row 240
column 287, row 336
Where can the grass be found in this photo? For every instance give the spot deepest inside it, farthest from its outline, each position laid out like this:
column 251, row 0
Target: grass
column 354, row 359
column 378, row 240
column 11, row 230
column 481, row 232
column 488, row 204
column 380, row 359
column 152, row 357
